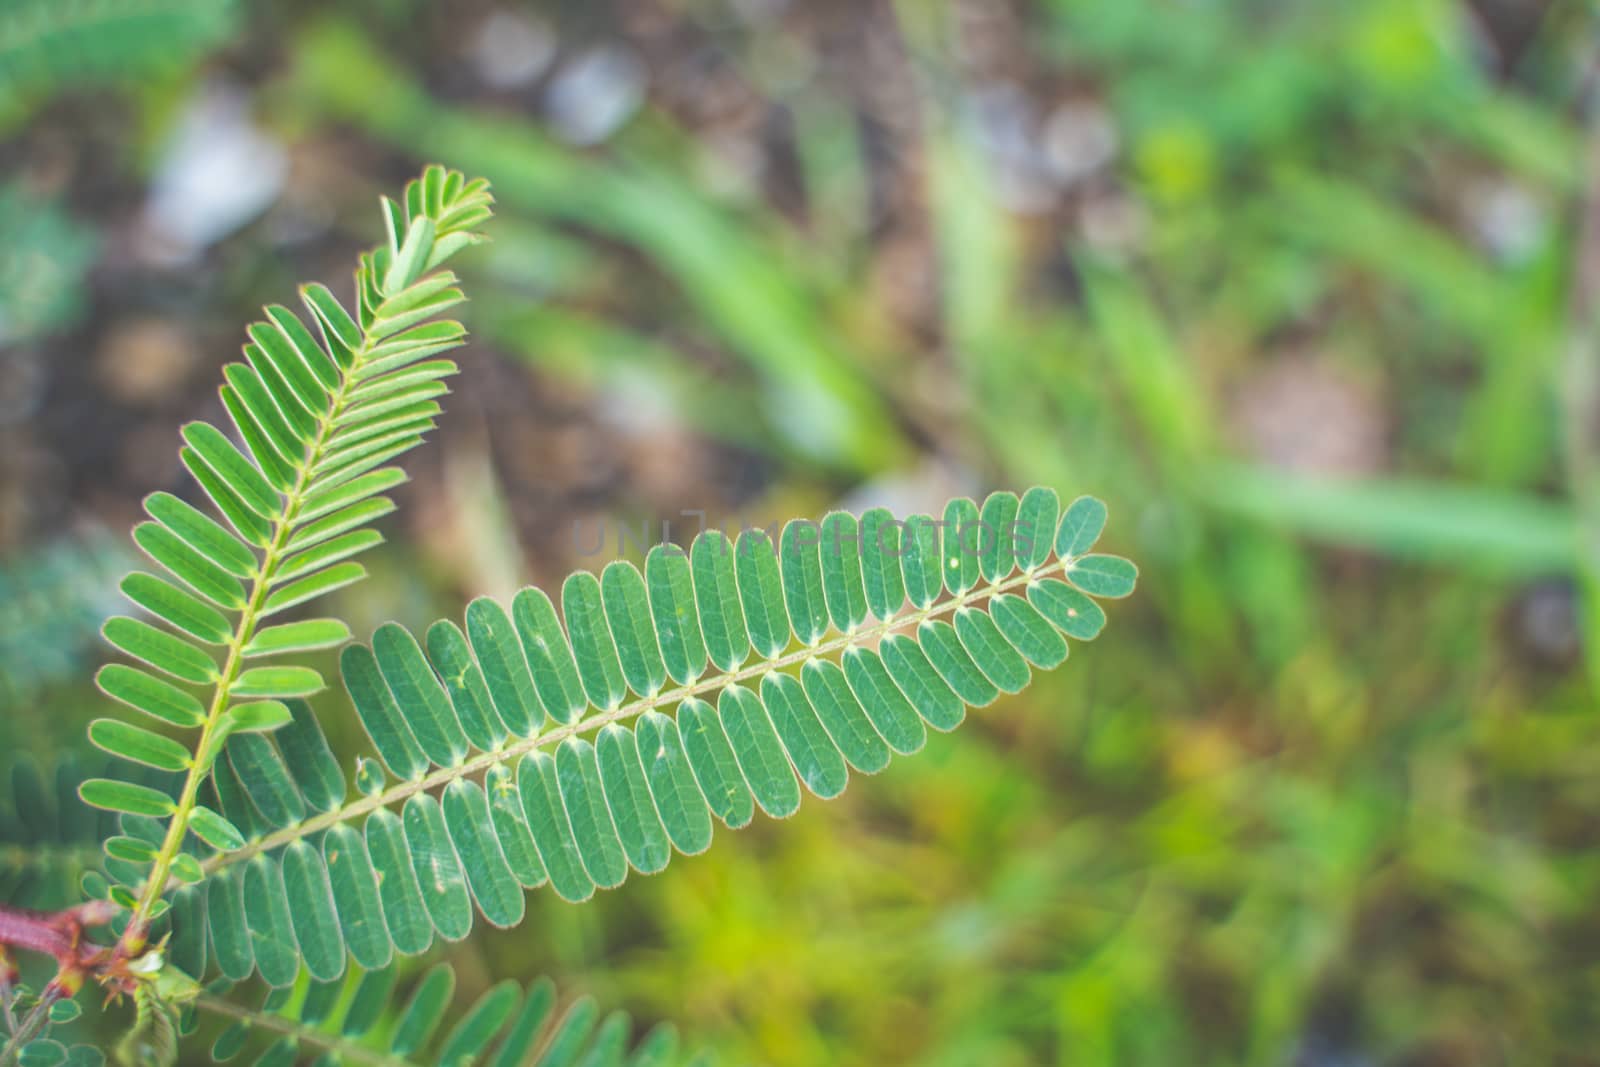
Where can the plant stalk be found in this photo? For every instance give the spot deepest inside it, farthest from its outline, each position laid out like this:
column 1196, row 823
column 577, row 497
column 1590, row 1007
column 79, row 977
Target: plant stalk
column 133, row 938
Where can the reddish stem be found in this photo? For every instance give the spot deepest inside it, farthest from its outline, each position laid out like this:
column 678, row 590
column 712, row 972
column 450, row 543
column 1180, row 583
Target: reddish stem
column 36, row 931
column 59, row 935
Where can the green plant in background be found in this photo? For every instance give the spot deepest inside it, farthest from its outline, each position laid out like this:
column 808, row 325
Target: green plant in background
column 52, row 601
column 42, row 276
column 528, row 748
column 48, row 45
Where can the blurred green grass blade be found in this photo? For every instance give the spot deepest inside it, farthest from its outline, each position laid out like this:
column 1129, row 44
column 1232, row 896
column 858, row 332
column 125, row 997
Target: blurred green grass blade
column 1491, row 530
column 737, row 272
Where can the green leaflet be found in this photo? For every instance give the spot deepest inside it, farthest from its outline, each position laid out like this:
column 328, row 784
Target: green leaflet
column 151, row 695
column 997, row 528
column 880, row 562
column 716, row 594
column 842, row 716
column 818, row 763
column 214, row 830
column 367, row 1005
column 185, row 563
column 495, row 890
column 306, row 636
column 929, row 694
column 627, row 795
column 962, row 542
column 125, row 797
column 761, row 593
column 713, row 763
column 179, row 609
column 230, row 465
column 1105, row 576
column 592, row 645
column 316, row 926
column 993, row 655
column 423, row 1011
column 480, row 1025
column 277, row 682
column 379, row 713
column 1028, row 631
column 672, row 611
column 266, row 913
column 266, row 780
column 678, row 800
column 505, row 670
column 511, row 827
column 555, row 673
column 138, row 744
column 758, row 752
column 354, row 885
column 404, row 913
column 262, row 716
column 316, row 771
column 439, row 874
column 201, row 533
column 578, row 778
column 1037, row 517
column 842, row 587
column 161, row 650
column 1080, row 527
column 627, row 611
column 922, row 560
column 230, row 937
column 798, row 552
column 527, row 1026
column 1068, row 610
column 950, row 659
column 885, row 705
column 552, row 831
column 465, row 685
column 432, row 721
column 318, row 583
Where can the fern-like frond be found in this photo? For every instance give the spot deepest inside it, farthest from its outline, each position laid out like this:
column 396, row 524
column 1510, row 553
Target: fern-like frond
column 318, row 418
column 531, row 752
column 506, row 1026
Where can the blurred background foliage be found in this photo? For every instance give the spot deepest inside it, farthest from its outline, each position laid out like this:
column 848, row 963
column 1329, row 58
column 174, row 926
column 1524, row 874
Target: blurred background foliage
column 1307, row 291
